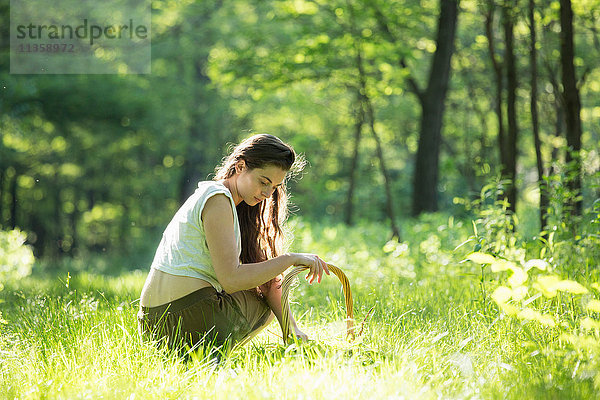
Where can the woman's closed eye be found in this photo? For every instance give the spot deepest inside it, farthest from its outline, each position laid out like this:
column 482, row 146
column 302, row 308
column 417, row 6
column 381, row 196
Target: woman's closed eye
column 266, row 184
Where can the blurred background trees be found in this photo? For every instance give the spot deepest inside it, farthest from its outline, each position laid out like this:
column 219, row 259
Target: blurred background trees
column 401, row 107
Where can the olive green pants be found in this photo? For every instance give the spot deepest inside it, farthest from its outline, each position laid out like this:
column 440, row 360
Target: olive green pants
column 205, row 317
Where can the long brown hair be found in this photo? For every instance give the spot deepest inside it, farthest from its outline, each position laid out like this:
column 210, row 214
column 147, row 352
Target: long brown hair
column 262, row 226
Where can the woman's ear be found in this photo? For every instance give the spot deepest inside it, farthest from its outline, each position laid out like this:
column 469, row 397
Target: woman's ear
column 239, row 166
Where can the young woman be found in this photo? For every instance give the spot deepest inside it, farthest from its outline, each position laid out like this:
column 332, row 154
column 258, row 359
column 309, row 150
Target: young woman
column 216, row 273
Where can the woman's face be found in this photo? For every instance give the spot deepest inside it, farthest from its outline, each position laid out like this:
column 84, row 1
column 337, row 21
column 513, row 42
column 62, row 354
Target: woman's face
column 258, row 184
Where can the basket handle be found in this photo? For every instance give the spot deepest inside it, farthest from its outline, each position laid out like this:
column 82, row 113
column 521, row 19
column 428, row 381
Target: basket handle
column 347, row 295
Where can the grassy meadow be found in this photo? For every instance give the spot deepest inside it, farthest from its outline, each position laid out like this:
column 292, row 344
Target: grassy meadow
column 438, row 326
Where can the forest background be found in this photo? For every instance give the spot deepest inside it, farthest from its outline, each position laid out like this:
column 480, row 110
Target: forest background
column 435, row 132
column 406, row 107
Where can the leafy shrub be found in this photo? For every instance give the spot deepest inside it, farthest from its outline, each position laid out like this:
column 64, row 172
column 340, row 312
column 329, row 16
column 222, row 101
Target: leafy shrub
column 550, row 281
column 16, row 258
column 532, row 292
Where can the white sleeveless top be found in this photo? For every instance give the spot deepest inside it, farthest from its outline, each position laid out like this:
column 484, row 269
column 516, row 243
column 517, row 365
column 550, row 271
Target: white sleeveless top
column 183, row 249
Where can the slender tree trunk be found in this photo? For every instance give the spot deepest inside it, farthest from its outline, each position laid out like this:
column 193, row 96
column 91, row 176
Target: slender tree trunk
column 57, row 228
column 534, row 118
column 199, row 154
column 366, row 103
column 386, row 177
column 198, row 134
column 13, row 201
column 571, row 102
column 190, row 155
column 358, row 124
column 498, row 67
column 559, row 128
column 559, row 122
column 425, row 179
column 1, row 198
column 38, row 226
column 477, row 110
column 468, row 168
column 91, row 198
column 73, row 218
column 511, row 102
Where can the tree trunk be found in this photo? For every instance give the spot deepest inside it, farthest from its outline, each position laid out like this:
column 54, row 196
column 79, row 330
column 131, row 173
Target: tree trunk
column 511, row 103
column 358, row 124
column 1, row 198
column 559, row 122
column 195, row 158
column 57, row 235
column 384, row 172
column 366, row 103
column 13, row 201
column 202, row 149
column 39, row 228
column 477, row 110
column 572, row 104
column 73, row 218
column 499, row 81
column 534, row 119
column 425, row 179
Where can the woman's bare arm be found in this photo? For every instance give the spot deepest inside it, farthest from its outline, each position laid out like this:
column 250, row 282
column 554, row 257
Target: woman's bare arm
column 217, row 219
column 273, row 297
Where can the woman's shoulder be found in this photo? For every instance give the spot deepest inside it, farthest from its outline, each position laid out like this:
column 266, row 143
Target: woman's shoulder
column 207, row 188
column 218, row 206
column 210, row 184
column 208, row 196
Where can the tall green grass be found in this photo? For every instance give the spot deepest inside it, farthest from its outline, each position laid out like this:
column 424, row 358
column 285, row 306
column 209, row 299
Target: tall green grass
column 432, row 333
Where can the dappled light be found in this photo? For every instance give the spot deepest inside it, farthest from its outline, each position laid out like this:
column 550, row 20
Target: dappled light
column 446, row 161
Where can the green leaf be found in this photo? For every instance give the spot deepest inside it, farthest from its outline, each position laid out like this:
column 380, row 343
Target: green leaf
column 500, row 265
column 528, row 314
column 481, row 258
column 594, row 306
column 518, row 277
column 534, row 315
column 390, row 246
column 571, row 287
column 547, row 285
column 550, row 284
column 502, row 294
column 509, row 309
column 536, row 263
column 589, row 324
column 519, row 293
column 547, row 320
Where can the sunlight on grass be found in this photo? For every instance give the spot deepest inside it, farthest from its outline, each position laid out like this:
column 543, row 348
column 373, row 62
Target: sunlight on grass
column 429, row 336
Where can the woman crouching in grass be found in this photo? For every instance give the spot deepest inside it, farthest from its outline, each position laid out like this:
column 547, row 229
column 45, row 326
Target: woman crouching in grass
column 215, row 278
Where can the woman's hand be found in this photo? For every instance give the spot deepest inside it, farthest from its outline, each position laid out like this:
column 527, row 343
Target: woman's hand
column 314, row 262
column 295, row 332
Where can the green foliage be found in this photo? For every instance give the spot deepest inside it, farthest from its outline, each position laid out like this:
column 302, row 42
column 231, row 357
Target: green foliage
column 99, row 161
column 16, row 258
column 533, row 293
column 495, row 227
column 551, row 283
column 572, row 239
